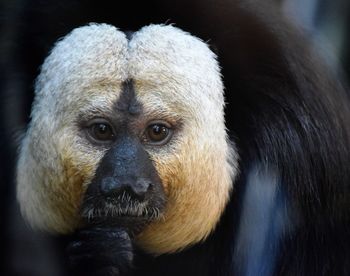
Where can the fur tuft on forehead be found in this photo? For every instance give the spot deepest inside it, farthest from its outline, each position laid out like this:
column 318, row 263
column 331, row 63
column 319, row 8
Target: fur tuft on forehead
column 176, row 77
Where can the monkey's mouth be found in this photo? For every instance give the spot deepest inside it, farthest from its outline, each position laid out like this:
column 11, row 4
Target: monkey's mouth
column 121, row 210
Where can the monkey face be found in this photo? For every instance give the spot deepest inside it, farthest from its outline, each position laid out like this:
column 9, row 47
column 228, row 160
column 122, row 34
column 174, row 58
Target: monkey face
column 126, row 189
column 131, row 132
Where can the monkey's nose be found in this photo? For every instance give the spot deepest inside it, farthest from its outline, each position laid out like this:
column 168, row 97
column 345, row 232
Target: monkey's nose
column 136, row 188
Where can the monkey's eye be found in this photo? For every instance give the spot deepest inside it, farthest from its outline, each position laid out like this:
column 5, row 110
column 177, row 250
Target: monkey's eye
column 101, row 132
column 157, row 134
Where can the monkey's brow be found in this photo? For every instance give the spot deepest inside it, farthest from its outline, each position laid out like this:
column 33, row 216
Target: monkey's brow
column 93, row 111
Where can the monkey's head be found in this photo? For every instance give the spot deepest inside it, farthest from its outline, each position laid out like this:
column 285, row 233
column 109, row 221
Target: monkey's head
column 128, row 131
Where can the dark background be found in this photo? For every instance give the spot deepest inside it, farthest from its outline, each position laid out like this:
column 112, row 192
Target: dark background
column 24, row 42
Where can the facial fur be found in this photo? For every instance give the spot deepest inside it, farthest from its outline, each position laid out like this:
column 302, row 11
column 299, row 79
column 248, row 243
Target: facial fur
column 177, row 79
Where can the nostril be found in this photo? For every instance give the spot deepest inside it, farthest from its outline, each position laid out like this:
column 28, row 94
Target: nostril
column 108, row 184
column 141, row 187
column 137, row 188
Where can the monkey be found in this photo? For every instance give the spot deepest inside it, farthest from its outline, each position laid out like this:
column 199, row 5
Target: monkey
column 122, row 113
column 128, row 148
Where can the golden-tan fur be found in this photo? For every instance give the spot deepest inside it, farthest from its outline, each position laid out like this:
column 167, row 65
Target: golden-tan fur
column 176, row 79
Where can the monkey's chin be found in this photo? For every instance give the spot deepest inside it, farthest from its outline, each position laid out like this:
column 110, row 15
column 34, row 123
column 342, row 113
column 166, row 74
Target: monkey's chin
column 133, row 217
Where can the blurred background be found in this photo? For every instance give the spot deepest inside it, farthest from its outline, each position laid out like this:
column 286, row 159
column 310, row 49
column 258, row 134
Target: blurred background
column 25, row 252
column 328, row 23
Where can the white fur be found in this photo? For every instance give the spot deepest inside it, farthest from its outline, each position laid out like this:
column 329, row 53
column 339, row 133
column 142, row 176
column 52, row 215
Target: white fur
column 177, row 78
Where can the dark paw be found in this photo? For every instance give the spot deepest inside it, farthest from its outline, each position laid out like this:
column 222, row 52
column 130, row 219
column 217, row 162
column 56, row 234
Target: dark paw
column 100, row 251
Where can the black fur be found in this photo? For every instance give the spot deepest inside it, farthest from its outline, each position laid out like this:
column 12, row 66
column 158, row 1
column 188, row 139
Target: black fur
column 100, row 251
column 289, row 117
